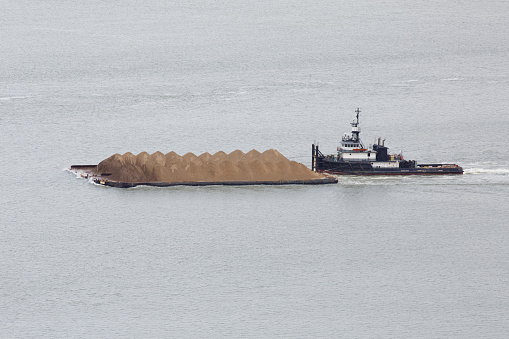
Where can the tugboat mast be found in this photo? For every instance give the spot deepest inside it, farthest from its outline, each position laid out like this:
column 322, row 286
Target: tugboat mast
column 355, row 126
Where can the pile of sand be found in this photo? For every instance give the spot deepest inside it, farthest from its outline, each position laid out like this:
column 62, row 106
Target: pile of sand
column 236, row 166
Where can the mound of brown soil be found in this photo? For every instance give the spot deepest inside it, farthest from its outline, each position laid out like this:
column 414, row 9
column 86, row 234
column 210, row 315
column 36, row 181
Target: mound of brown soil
column 236, row 166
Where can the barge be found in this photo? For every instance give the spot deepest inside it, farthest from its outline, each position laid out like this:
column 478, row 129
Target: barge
column 355, row 159
column 90, row 172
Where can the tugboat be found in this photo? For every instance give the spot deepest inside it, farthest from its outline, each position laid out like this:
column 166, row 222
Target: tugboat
column 355, row 159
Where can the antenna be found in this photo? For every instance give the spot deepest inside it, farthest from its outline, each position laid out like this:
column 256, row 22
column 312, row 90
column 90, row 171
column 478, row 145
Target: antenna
column 357, row 111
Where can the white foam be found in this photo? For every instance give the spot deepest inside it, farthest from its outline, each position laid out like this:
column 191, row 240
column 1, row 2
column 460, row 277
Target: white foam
column 12, row 98
column 91, row 181
column 78, row 173
column 478, row 170
column 72, row 171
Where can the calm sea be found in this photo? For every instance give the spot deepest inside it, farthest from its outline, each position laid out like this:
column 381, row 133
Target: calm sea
column 369, row 257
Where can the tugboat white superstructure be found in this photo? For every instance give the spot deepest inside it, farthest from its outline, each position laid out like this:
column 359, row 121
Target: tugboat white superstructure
column 354, row 158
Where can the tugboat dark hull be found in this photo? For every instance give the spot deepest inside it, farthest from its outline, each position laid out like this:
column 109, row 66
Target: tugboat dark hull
column 329, row 164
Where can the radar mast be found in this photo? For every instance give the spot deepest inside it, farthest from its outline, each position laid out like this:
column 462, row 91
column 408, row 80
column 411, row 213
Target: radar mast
column 355, row 127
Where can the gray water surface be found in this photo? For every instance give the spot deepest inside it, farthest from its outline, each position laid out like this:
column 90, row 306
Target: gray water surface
column 368, row 257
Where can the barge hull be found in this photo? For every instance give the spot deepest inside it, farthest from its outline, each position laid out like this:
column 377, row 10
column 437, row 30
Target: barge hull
column 117, row 184
column 89, row 171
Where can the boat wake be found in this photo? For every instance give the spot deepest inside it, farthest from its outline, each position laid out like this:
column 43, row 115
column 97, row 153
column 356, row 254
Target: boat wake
column 77, row 173
column 81, row 175
column 479, row 170
column 16, row 97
